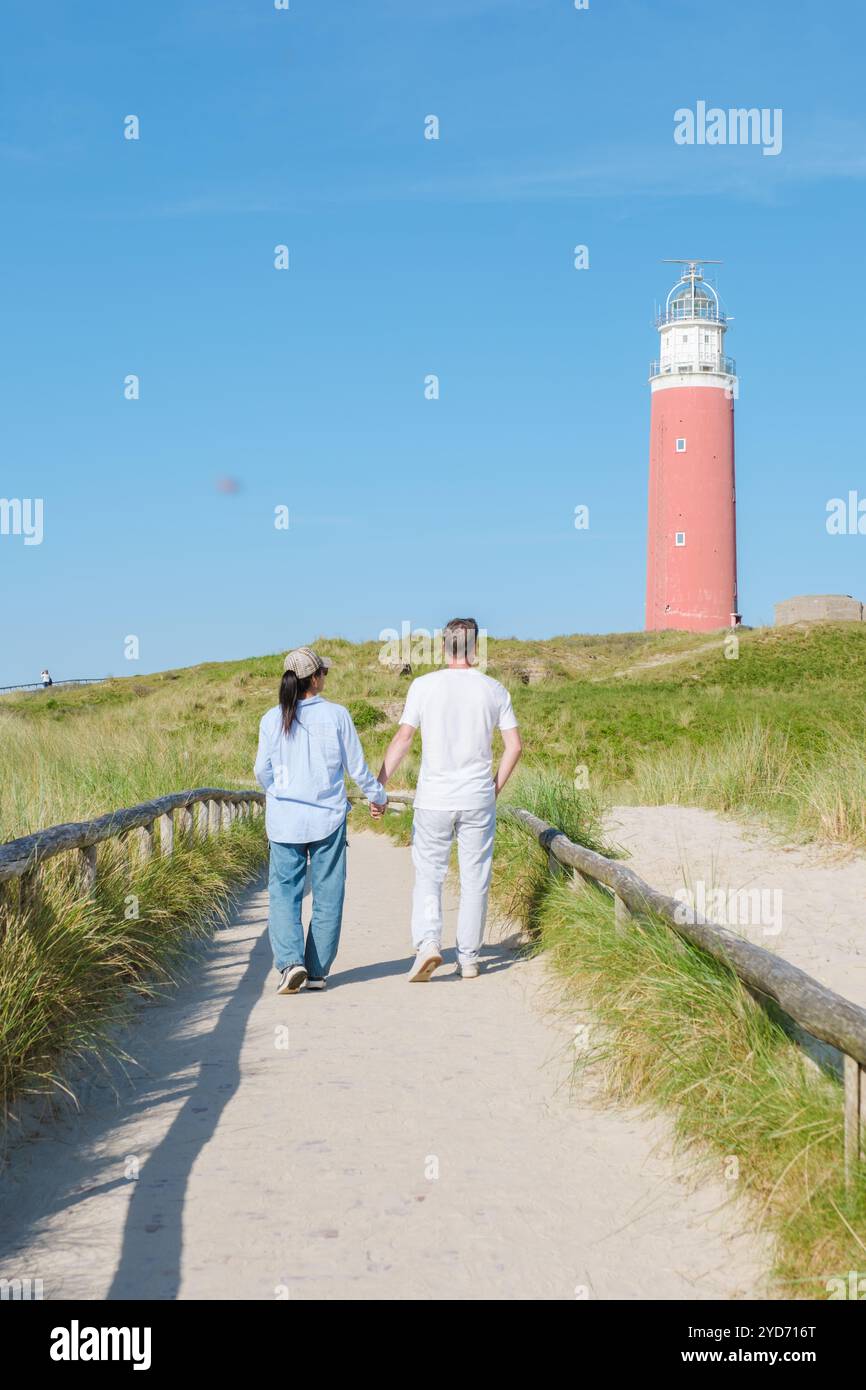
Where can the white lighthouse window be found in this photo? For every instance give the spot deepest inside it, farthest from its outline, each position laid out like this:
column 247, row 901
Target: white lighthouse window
column 681, row 446
column 681, row 538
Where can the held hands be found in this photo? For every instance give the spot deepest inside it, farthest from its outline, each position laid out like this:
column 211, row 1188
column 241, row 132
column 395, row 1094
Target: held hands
column 377, row 811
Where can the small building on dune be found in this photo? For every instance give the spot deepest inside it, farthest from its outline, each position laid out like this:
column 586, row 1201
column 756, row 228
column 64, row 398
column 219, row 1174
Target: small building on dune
column 819, row 608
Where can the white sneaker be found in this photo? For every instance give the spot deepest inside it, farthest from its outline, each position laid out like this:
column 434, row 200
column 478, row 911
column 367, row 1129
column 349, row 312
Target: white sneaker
column 428, row 959
column 291, row 979
column 470, row 971
column 316, row 984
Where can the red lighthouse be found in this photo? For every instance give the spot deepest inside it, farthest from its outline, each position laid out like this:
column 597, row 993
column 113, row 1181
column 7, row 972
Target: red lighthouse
column 692, row 542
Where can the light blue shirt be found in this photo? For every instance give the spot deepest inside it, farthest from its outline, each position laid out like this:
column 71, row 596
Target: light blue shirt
column 302, row 774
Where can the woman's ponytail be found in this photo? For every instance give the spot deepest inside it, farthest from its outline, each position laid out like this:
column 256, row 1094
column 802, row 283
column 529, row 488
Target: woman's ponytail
column 293, row 689
column 289, row 695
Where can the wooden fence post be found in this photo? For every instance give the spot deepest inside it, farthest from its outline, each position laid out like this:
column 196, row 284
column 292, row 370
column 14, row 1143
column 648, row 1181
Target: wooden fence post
column 185, row 823
column 166, row 833
column 214, row 817
column 202, row 811
column 855, row 1095
column 226, row 811
column 145, row 842
column 87, row 858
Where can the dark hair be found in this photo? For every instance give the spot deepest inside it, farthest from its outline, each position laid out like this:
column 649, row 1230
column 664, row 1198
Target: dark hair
column 292, row 689
column 460, row 637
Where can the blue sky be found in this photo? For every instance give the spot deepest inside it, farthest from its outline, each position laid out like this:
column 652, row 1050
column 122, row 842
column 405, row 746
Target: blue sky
column 408, row 257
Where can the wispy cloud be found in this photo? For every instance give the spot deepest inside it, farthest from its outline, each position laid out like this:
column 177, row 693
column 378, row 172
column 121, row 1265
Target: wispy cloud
column 619, row 172
column 831, row 150
column 678, row 172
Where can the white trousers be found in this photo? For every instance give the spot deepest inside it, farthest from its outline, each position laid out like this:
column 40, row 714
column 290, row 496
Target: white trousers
column 432, row 836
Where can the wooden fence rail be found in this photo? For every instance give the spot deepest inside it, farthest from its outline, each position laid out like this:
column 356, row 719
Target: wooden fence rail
column 816, row 1009
column 23, row 857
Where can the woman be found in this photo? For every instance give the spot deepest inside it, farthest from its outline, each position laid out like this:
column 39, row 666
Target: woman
column 305, row 744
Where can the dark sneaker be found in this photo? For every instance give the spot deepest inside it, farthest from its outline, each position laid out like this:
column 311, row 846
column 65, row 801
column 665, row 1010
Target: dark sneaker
column 291, row 979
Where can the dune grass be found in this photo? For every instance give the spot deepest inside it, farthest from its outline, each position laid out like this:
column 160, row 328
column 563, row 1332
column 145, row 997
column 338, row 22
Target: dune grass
column 757, row 770
column 674, row 1030
column 779, row 732
column 70, row 965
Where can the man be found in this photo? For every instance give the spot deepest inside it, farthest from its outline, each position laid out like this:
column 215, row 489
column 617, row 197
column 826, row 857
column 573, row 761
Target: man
column 457, row 710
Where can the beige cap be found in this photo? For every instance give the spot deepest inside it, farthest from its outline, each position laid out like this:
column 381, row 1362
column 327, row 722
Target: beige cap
column 305, row 662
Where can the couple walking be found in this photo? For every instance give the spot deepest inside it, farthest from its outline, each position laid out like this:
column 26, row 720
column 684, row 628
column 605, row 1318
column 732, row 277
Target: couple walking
column 306, row 744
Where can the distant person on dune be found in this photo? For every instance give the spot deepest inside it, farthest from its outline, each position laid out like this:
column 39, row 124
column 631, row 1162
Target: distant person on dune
column 305, row 745
column 457, row 711
column 46, row 679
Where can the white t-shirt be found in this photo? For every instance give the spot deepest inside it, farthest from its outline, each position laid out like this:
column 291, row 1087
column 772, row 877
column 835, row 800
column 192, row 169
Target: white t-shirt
column 457, row 711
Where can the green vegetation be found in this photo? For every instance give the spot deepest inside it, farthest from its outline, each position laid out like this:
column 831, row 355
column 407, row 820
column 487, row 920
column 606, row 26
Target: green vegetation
column 71, row 966
column 778, row 731
column 674, row 1030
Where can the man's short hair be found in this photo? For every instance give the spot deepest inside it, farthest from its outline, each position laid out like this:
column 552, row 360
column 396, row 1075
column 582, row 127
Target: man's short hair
column 460, row 637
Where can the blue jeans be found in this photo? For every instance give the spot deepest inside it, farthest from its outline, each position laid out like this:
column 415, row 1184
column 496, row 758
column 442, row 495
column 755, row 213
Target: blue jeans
column 288, row 870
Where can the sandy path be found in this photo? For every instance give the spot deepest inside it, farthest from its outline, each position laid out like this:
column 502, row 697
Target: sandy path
column 308, row 1170
column 821, row 920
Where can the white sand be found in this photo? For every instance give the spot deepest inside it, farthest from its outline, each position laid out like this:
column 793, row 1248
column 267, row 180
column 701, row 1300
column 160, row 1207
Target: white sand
column 309, row 1171
column 823, row 892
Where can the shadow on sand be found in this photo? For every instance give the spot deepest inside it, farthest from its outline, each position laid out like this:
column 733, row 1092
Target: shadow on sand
column 74, row 1160
column 66, row 1161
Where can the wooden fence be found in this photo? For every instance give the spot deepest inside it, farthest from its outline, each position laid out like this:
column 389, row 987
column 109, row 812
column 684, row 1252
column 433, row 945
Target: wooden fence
column 813, row 1007
column 202, row 812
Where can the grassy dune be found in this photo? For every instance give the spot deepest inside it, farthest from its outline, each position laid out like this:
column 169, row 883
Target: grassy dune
column 778, row 732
